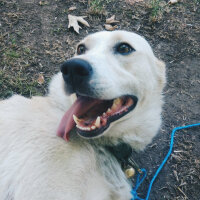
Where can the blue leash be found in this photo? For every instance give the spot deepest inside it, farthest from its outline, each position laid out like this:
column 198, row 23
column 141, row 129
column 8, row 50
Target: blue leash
column 142, row 176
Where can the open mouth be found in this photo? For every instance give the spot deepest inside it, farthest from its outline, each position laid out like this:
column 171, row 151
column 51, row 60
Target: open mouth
column 99, row 117
column 91, row 117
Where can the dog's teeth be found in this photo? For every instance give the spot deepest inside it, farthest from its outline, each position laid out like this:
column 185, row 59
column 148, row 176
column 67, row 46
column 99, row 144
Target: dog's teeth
column 109, row 110
column 114, row 106
column 84, row 128
column 93, row 127
column 130, row 102
column 73, row 97
column 78, row 126
column 104, row 114
column 76, row 119
column 97, row 122
column 117, row 101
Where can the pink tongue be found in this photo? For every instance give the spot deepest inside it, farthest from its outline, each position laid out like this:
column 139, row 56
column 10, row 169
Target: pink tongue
column 80, row 106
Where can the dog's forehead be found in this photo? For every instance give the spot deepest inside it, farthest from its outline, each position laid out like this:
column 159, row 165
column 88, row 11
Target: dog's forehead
column 111, row 38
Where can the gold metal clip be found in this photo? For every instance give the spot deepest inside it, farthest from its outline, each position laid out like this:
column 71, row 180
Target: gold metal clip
column 130, row 172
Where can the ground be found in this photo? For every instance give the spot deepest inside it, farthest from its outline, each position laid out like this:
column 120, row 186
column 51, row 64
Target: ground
column 35, row 40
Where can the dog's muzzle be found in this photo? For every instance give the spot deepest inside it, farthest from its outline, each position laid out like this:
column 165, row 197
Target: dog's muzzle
column 76, row 74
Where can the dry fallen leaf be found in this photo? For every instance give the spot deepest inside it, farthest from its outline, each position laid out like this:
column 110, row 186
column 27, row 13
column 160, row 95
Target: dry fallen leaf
column 40, row 79
column 111, row 20
column 73, row 22
column 72, row 8
column 131, row 2
column 173, row 2
column 42, row 3
column 108, row 27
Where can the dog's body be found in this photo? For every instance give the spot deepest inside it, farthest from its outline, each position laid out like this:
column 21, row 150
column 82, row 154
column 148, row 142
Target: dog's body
column 36, row 164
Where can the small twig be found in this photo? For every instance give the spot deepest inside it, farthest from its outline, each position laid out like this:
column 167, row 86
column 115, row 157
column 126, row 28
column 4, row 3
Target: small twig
column 183, row 92
column 182, row 192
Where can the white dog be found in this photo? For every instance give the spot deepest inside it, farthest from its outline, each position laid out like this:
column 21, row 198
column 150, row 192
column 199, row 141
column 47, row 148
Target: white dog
column 109, row 93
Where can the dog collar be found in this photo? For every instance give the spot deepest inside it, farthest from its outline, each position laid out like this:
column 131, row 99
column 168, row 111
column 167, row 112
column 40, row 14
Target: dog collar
column 124, row 154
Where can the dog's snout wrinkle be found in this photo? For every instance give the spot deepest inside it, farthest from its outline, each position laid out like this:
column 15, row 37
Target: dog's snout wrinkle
column 76, row 72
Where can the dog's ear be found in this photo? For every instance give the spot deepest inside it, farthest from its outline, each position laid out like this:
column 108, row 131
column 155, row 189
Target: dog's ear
column 161, row 73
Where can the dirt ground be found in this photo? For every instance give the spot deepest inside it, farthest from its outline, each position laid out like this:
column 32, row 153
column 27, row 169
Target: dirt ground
column 35, row 40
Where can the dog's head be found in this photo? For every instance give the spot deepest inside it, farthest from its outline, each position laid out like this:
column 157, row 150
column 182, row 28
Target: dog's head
column 118, row 84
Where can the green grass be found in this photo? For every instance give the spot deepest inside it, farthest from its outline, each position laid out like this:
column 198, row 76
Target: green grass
column 158, row 7
column 155, row 9
column 12, row 54
column 27, row 50
column 15, row 75
column 18, row 84
column 57, row 30
column 97, row 6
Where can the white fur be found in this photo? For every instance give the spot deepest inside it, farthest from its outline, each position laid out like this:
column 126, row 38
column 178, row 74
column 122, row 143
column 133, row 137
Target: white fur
column 35, row 164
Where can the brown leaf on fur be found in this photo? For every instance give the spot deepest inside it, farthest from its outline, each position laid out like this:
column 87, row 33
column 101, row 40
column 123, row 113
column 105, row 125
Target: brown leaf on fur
column 109, row 27
column 131, row 2
column 111, row 20
column 73, row 22
column 40, row 79
column 72, row 8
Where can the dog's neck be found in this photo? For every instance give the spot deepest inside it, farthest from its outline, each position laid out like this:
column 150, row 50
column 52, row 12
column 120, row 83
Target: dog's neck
column 119, row 149
column 122, row 152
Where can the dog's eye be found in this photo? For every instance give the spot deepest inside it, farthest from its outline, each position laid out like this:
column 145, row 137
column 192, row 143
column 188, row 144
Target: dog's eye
column 81, row 49
column 124, row 49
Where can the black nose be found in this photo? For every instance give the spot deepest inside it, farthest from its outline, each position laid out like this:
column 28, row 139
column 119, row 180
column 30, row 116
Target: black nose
column 76, row 72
